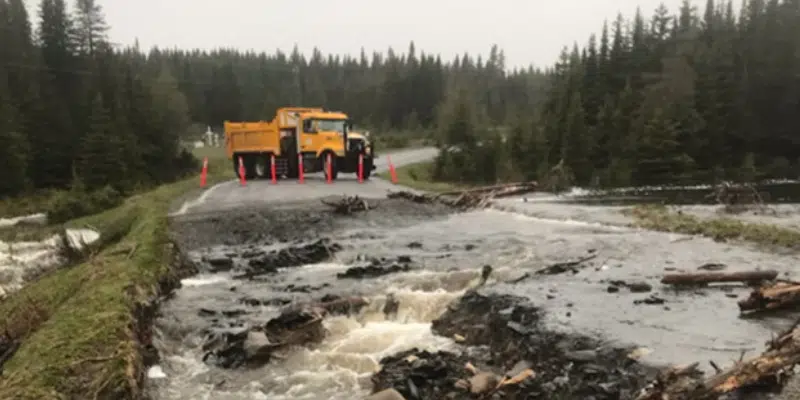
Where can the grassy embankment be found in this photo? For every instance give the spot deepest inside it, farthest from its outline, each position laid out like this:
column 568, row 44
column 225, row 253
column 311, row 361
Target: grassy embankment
column 78, row 326
column 660, row 218
column 418, row 176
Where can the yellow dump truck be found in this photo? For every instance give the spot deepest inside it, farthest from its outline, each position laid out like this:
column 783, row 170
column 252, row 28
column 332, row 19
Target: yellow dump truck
column 312, row 132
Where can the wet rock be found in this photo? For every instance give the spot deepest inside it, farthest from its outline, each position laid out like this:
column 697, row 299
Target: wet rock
column 582, row 355
column 377, row 267
column 390, row 307
column 204, row 312
column 252, row 302
column 292, row 256
column 304, row 288
column 220, row 263
column 639, row 287
column 652, row 300
column 252, row 253
column 257, row 347
column 481, row 383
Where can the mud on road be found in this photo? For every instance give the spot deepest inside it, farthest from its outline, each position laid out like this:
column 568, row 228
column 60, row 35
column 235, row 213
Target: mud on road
column 295, row 302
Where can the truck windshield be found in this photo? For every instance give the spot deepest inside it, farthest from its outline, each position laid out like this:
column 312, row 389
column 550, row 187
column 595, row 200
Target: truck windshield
column 330, row 125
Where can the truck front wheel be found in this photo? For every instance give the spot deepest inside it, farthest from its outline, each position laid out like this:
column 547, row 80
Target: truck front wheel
column 334, row 170
column 367, row 168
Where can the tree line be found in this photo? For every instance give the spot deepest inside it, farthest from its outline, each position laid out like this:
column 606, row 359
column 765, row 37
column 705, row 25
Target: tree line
column 677, row 98
column 75, row 111
column 683, row 97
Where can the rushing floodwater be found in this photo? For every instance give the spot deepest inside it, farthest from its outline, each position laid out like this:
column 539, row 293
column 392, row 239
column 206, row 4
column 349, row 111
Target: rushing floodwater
column 687, row 327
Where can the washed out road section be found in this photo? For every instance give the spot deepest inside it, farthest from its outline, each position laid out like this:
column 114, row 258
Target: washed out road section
column 231, row 194
column 613, row 295
column 447, row 252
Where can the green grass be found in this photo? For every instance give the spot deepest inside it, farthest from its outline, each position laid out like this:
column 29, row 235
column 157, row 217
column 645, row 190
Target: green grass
column 721, row 229
column 418, row 176
column 78, row 325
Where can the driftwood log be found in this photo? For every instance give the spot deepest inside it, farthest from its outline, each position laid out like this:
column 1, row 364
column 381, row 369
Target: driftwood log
column 685, row 383
column 779, row 295
column 719, row 277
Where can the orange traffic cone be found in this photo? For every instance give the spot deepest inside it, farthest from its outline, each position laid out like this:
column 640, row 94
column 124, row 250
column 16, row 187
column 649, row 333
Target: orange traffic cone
column 204, row 173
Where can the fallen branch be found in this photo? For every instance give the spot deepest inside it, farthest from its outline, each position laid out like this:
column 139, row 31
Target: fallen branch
column 559, row 268
column 719, row 277
column 348, row 205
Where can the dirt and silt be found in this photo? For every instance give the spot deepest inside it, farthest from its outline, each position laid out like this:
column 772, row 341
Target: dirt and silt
column 295, row 302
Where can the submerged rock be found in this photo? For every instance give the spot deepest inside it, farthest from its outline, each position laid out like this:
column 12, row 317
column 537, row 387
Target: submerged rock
column 292, row 256
column 513, row 346
column 377, row 267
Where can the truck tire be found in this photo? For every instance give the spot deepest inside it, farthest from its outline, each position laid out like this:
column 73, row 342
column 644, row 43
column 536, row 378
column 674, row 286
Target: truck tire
column 250, row 167
column 262, row 167
column 367, row 168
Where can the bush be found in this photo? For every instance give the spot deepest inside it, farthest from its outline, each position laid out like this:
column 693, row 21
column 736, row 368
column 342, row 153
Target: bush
column 79, row 203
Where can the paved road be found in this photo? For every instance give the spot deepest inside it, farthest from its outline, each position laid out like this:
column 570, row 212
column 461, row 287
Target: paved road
column 231, row 194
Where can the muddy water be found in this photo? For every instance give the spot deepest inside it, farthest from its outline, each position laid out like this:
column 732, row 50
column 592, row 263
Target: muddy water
column 686, row 327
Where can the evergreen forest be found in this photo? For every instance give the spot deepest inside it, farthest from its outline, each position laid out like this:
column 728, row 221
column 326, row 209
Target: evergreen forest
column 662, row 97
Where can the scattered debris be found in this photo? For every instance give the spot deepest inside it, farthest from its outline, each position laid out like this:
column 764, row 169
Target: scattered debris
column 469, row 198
column 778, row 295
column 348, row 205
column 750, row 277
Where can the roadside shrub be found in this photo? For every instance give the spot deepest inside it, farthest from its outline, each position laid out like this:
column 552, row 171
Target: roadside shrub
column 78, row 203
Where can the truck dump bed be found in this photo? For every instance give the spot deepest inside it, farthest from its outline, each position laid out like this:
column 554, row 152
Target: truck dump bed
column 255, row 137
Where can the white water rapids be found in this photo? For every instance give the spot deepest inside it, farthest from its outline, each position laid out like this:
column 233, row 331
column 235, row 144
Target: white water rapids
column 338, row 368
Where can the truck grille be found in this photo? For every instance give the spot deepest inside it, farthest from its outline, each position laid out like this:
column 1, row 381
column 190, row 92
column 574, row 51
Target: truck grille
column 355, row 145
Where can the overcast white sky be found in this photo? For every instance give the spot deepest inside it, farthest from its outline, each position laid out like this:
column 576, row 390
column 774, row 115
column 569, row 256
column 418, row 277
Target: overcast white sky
column 529, row 31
